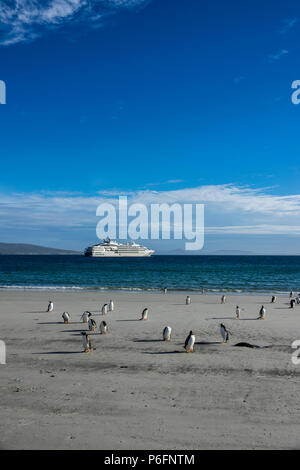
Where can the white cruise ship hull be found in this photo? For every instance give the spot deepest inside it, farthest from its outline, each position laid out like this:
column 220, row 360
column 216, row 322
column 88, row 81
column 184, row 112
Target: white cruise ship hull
column 109, row 249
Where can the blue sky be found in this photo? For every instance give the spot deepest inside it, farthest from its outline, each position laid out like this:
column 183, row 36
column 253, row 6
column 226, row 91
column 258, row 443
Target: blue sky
column 168, row 98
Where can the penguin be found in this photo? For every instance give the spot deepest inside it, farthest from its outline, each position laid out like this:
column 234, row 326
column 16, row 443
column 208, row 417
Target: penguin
column 111, row 306
column 50, row 306
column 292, row 303
column 291, row 294
column 262, row 313
column 103, row 328
column 298, row 299
column 224, row 333
column 223, row 299
column 66, row 317
column 165, row 290
column 92, row 324
column 85, row 316
column 189, row 342
column 104, row 309
column 237, row 312
column 273, row 300
column 144, row 314
column 86, row 342
column 188, row 300
column 167, row 333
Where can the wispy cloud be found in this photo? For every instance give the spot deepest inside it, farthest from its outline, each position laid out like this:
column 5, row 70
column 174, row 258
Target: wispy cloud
column 288, row 24
column 25, row 20
column 281, row 53
column 229, row 209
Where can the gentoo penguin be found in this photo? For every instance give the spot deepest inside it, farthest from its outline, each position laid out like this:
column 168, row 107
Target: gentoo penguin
column 167, row 333
column 273, row 300
column 66, row 317
column 92, row 324
column 188, row 300
column 50, row 306
column 189, row 342
column 165, row 290
column 144, row 314
column 111, row 306
column 223, row 299
column 237, row 312
column 103, row 328
column 224, row 333
column 292, row 303
column 85, row 317
column 291, row 294
column 104, row 309
column 298, row 299
column 86, row 342
column 262, row 313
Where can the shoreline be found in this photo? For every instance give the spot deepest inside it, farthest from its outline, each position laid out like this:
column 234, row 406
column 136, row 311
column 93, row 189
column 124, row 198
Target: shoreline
column 92, row 289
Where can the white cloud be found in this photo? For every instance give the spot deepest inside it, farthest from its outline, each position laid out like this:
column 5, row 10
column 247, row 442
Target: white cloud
column 228, row 209
column 288, row 24
column 25, row 20
column 278, row 55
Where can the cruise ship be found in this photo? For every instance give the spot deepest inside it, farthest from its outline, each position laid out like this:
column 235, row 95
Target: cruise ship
column 114, row 249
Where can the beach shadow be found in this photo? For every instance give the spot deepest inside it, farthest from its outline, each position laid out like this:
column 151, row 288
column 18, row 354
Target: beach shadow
column 221, row 318
column 38, row 311
column 128, row 320
column 166, row 352
column 148, row 340
column 59, row 352
column 51, row 323
column 207, row 343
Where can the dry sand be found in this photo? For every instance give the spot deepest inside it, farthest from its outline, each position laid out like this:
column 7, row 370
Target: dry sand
column 136, row 391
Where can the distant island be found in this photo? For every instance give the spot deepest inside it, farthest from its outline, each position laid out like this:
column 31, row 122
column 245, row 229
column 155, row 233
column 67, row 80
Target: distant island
column 27, row 249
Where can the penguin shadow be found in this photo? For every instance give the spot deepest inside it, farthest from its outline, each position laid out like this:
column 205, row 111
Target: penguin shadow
column 148, row 340
column 51, row 323
column 38, row 311
column 231, row 318
column 207, row 343
column 136, row 319
column 164, row 352
column 58, row 352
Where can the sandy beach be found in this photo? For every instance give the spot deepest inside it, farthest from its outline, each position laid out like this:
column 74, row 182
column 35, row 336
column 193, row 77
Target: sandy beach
column 135, row 391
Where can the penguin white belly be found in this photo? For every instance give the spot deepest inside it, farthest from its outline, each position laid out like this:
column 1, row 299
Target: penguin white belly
column 66, row 317
column 167, row 333
column 190, row 345
column 85, row 317
column 50, row 307
column 111, row 306
column 103, row 328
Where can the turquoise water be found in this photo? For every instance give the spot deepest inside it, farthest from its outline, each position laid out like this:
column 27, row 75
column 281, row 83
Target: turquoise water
column 240, row 274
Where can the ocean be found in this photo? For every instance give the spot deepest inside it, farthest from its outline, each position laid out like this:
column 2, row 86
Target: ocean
column 236, row 274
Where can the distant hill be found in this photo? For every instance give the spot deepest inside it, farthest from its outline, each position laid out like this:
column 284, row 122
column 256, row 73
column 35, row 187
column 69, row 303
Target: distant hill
column 207, row 253
column 26, row 249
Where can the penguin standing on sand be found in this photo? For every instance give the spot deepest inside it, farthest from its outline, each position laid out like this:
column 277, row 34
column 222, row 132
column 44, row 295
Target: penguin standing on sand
column 224, row 333
column 273, row 300
column 104, row 309
column 167, row 333
column 111, row 306
column 50, row 306
column 85, row 317
column 165, row 290
column 66, row 317
column 189, row 342
column 87, row 346
column 298, row 299
column 223, row 299
column 262, row 313
column 291, row 294
column 237, row 312
column 292, row 303
column 92, row 324
column 188, row 300
column 145, row 314
column 103, row 328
